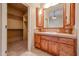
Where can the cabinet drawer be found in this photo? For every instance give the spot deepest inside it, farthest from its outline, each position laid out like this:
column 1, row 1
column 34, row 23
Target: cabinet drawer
column 44, row 45
column 37, row 38
column 37, row 45
column 50, row 38
column 66, row 50
column 67, row 41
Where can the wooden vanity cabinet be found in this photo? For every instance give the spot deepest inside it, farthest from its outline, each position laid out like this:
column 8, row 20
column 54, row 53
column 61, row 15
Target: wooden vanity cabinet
column 67, row 47
column 66, row 50
column 56, row 45
column 53, row 48
column 44, row 44
column 37, row 40
column 68, row 41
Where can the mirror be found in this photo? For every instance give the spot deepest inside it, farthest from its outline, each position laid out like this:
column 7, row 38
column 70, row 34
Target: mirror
column 53, row 16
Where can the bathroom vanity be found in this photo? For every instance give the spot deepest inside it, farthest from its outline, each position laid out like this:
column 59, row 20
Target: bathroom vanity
column 56, row 30
column 58, row 44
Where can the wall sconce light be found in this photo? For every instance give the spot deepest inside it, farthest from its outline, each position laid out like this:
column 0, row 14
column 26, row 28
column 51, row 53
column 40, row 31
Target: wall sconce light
column 54, row 17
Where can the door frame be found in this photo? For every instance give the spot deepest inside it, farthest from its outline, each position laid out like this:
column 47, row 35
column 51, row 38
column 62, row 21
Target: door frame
column 4, row 28
column 29, row 27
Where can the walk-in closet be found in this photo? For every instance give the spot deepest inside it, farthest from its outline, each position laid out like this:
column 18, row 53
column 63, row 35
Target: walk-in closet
column 17, row 28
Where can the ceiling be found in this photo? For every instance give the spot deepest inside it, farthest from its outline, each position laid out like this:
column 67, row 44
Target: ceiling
column 18, row 6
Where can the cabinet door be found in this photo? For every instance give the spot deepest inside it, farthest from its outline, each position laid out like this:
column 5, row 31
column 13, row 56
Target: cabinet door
column 37, row 38
column 53, row 48
column 44, row 44
column 37, row 41
column 67, row 41
column 66, row 50
column 37, row 45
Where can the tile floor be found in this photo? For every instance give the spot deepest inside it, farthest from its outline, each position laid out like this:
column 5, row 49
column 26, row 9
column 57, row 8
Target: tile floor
column 35, row 52
column 18, row 49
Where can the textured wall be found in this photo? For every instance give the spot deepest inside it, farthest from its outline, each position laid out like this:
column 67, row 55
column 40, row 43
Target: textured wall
column 0, row 28
column 77, row 25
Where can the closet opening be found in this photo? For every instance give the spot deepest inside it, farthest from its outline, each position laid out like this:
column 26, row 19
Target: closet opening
column 17, row 28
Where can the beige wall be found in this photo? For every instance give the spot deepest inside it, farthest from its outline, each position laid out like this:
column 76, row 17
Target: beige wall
column 68, row 12
column 77, row 25
column 31, row 24
column 0, row 28
column 4, row 29
column 3, row 32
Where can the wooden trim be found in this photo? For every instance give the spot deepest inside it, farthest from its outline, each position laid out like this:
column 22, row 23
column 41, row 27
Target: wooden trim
column 42, row 18
column 72, row 18
column 75, row 47
column 72, row 14
column 36, row 17
column 14, row 16
column 64, row 17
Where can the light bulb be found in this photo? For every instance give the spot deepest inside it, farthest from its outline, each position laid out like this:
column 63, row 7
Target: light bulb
column 54, row 17
column 49, row 4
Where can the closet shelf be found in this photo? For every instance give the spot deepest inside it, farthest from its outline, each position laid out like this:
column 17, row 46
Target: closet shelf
column 15, row 29
column 12, row 15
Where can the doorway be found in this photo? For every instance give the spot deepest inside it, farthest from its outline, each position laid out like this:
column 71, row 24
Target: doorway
column 17, row 28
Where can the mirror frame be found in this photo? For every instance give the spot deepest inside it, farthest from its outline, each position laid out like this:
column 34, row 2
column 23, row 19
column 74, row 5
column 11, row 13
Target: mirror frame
column 64, row 18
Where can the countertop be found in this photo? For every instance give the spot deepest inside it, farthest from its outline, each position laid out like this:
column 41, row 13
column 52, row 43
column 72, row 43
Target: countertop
column 73, row 36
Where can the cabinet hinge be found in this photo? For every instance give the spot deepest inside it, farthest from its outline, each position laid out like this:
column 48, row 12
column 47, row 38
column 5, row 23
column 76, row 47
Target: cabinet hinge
column 6, row 51
column 5, row 26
